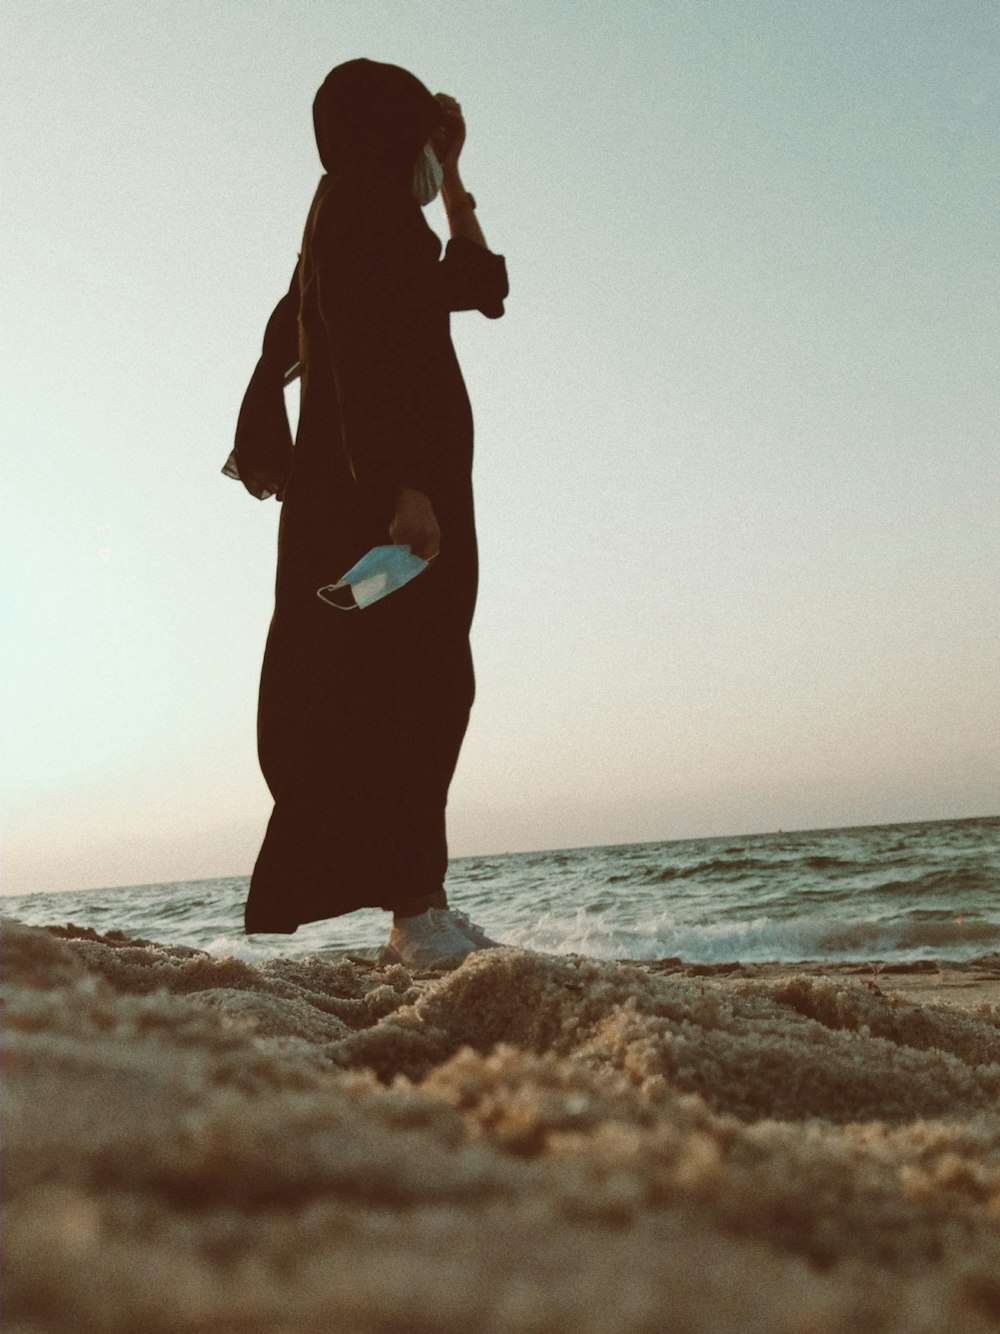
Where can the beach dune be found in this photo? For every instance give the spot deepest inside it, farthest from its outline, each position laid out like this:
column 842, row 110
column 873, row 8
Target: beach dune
column 527, row 1143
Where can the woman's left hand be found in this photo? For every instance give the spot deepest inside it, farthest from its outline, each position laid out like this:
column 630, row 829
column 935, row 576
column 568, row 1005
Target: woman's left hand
column 447, row 143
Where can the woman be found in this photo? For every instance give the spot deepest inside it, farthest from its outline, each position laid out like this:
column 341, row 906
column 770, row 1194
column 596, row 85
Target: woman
column 362, row 713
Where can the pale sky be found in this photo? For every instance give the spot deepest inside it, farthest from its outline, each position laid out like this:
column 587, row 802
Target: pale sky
column 736, row 469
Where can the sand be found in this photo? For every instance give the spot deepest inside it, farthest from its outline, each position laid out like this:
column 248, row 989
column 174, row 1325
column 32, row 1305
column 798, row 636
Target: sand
column 527, row 1143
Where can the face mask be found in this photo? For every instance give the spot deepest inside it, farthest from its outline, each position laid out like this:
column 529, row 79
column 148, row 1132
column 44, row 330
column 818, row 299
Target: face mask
column 381, row 571
column 427, row 176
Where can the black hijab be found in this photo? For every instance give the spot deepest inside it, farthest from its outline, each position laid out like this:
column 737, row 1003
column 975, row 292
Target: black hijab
column 371, row 121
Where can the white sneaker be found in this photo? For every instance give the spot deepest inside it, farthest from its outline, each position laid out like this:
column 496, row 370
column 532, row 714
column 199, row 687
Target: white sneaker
column 473, row 932
column 428, row 939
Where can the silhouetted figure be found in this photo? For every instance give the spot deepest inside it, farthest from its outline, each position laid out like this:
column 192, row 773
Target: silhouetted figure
column 362, row 713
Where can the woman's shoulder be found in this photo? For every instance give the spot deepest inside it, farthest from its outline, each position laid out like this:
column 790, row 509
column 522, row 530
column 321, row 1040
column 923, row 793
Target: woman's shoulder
column 373, row 216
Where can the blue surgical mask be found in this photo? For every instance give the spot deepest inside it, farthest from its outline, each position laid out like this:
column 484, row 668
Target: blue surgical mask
column 427, row 176
column 381, row 571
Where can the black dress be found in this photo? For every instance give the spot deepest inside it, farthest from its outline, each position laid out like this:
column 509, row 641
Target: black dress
column 362, row 713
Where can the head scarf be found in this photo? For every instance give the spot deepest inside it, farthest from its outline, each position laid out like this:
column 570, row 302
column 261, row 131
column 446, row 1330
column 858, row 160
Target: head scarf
column 373, row 119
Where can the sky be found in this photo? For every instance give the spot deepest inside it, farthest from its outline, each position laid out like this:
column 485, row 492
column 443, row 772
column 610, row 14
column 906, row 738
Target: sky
column 737, row 483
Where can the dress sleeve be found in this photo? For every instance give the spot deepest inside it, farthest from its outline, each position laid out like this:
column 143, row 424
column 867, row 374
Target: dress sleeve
column 262, row 451
column 473, row 278
column 387, row 336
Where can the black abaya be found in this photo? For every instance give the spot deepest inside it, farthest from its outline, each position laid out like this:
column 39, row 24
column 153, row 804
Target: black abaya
column 362, row 713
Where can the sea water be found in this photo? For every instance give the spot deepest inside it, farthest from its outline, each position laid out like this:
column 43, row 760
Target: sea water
column 899, row 893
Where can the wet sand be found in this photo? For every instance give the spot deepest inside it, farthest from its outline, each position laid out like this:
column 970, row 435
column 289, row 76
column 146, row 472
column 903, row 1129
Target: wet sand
column 527, row 1143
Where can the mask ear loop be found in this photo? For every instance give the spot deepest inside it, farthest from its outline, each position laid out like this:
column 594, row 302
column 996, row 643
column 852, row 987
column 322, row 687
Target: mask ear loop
column 329, row 588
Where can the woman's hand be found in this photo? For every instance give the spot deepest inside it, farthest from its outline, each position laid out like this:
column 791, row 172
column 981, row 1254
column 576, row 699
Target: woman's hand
column 447, row 143
column 415, row 525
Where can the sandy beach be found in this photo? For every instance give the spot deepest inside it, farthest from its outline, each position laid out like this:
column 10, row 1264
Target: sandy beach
column 527, row 1143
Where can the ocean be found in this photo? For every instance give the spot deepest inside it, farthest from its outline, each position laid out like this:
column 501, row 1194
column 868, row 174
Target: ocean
column 897, row 893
